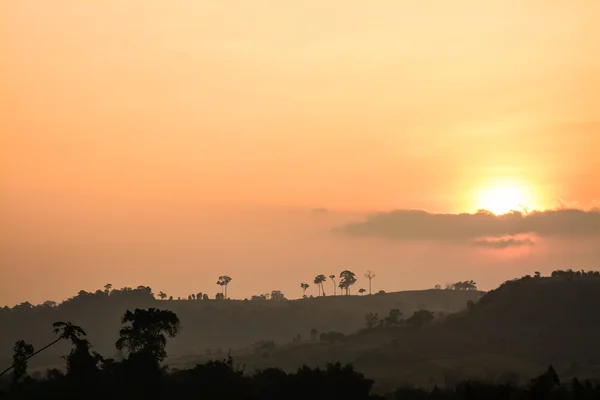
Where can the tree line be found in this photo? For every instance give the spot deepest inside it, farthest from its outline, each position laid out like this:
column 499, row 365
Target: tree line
column 346, row 280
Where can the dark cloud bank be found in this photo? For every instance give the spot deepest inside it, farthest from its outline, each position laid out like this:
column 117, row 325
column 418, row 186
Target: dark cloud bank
column 503, row 243
column 481, row 229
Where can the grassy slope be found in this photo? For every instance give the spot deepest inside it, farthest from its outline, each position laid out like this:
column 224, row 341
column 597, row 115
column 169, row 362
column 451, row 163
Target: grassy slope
column 519, row 329
column 219, row 324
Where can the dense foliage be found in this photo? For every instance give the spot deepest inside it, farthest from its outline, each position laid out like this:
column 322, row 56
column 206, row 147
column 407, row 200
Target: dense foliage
column 140, row 376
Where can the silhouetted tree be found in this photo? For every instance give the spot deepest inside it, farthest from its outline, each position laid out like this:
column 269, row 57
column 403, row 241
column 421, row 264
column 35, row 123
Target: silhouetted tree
column 465, row 285
column 219, row 296
column 82, row 364
column 22, row 352
column 545, row 383
column 370, row 275
column 371, row 320
column 162, row 295
column 304, row 286
column 145, row 332
column 332, row 277
column 361, row 291
column 347, row 279
column 420, row 318
column 319, row 279
column 224, row 282
column 107, row 288
column 276, row 295
column 577, row 389
column 313, row 335
column 394, row 318
column 145, row 289
column 65, row 330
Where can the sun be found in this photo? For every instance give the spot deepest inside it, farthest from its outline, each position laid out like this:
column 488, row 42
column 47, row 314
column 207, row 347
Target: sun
column 503, row 198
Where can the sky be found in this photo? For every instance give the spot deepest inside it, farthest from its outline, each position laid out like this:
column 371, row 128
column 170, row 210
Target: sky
column 165, row 143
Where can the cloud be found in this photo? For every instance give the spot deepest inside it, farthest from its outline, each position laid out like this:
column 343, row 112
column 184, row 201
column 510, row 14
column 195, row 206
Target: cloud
column 503, row 243
column 406, row 225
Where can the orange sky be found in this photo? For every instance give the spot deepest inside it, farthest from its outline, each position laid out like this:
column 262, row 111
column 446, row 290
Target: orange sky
column 119, row 119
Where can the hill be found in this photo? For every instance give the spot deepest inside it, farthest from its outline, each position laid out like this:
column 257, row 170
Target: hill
column 209, row 325
column 511, row 332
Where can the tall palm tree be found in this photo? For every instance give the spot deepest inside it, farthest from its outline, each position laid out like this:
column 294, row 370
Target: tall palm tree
column 318, row 286
column 304, row 286
column 319, row 279
column 323, row 279
column 332, row 277
column 65, row 330
column 68, row 331
column 224, row 282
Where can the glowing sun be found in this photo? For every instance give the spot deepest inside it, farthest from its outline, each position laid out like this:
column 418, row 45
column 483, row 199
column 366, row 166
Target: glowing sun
column 503, row 198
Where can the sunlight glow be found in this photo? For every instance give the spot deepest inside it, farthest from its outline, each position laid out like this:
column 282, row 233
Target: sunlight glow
column 504, row 197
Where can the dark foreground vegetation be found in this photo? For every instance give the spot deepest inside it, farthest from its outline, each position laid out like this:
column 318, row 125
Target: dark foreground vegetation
column 140, row 375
